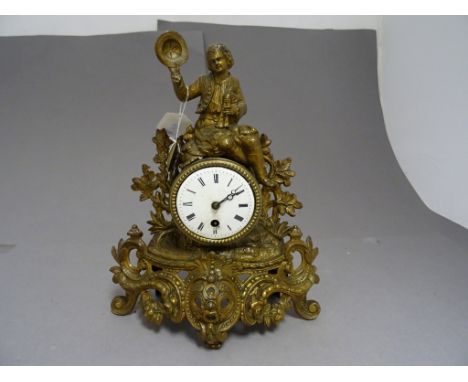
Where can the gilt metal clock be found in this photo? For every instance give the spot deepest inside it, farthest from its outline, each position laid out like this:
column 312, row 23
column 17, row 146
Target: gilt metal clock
column 220, row 252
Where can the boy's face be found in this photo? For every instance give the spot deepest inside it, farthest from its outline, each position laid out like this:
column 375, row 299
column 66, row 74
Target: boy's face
column 217, row 63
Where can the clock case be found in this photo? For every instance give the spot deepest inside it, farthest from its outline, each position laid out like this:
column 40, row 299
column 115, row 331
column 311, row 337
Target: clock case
column 255, row 279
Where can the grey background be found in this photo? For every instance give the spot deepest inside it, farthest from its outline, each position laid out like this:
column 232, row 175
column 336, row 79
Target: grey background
column 77, row 117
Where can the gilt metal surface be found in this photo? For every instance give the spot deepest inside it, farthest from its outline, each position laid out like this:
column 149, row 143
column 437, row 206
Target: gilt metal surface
column 252, row 279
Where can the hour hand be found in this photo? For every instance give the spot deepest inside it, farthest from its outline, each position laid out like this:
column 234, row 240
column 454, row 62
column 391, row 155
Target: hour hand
column 216, row 205
column 230, row 196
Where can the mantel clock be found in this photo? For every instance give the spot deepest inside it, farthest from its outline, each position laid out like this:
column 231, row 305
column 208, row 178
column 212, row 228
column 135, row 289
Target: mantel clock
column 219, row 251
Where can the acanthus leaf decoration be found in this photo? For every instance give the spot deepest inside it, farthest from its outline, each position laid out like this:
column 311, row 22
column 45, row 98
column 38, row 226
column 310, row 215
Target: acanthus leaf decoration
column 163, row 143
column 283, row 172
column 287, row 203
column 158, row 222
column 146, row 184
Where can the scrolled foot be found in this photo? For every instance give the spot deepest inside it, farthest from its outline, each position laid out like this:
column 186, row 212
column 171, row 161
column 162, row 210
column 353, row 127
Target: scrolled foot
column 307, row 309
column 123, row 305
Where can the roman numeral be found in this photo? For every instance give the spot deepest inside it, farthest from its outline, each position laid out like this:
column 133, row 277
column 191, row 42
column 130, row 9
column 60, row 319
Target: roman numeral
column 200, row 227
column 237, row 217
column 201, row 182
column 243, row 205
column 190, row 217
column 187, row 203
column 215, row 231
column 216, row 178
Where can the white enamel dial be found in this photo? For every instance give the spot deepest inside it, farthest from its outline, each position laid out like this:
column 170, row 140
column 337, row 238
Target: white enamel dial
column 216, row 203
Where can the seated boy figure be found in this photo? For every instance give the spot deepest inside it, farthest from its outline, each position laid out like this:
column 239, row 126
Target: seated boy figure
column 222, row 104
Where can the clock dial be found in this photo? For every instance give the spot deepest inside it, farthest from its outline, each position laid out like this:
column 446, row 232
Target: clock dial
column 215, row 202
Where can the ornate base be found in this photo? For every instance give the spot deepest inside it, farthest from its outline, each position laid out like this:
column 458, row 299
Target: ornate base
column 214, row 289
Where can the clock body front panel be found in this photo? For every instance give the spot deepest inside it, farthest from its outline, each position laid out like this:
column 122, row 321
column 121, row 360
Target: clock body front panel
column 215, row 201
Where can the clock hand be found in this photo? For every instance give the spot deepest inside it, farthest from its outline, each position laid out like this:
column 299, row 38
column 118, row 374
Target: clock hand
column 231, row 196
column 216, row 205
column 233, row 193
